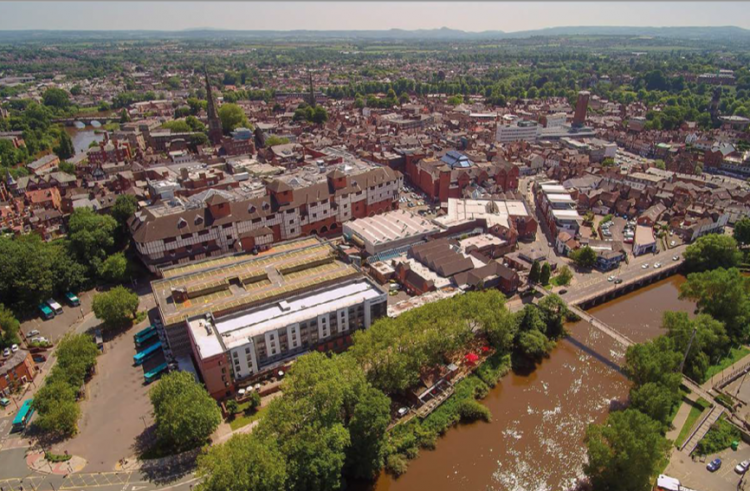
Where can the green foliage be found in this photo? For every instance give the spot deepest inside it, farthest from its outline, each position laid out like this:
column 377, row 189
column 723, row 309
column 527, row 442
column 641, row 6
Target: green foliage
column 608, row 162
column 232, row 117
column 55, row 402
column 9, row 327
column 712, row 251
column 91, row 236
column 654, row 401
column 186, row 415
column 56, row 98
column 563, row 277
column 742, row 231
column 32, row 270
column 367, row 428
column 64, row 148
column 124, row 208
column 116, row 307
column 276, row 140
column 397, row 464
column 624, row 452
column 232, row 407
column 115, row 269
column 534, row 344
column 493, row 369
column 654, row 361
column 659, row 164
column 254, row 401
column 585, row 257
column 545, row 274
column 724, row 294
column 455, row 100
column 719, row 437
column 471, row 410
column 709, row 345
column 535, row 272
column 243, row 462
column 67, row 168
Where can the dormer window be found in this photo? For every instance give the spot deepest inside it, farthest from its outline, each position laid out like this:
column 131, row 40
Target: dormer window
column 198, row 220
column 251, row 209
column 181, row 223
column 265, row 205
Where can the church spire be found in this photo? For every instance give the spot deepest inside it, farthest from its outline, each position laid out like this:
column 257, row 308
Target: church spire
column 312, row 91
column 214, row 123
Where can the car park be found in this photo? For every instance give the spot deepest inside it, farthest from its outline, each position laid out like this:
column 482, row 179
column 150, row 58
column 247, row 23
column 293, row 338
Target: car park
column 714, row 465
column 32, row 333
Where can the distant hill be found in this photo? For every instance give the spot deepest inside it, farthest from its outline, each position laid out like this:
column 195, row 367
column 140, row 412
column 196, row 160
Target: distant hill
column 724, row 33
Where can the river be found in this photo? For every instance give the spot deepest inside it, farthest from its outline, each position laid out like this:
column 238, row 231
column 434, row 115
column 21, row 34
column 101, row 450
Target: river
column 82, row 135
column 535, row 439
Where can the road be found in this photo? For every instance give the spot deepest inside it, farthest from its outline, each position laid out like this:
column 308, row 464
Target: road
column 596, row 283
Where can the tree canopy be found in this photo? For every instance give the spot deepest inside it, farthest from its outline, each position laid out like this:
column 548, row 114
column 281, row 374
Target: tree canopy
column 712, row 251
column 232, row 117
column 117, row 307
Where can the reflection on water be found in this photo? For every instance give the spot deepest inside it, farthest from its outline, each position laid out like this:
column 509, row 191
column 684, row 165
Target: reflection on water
column 535, row 439
column 83, row 137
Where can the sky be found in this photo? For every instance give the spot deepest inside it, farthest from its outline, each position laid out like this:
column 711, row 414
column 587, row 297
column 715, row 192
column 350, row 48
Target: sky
column 469, row 16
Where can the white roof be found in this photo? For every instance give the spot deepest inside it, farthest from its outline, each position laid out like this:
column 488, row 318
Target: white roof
column 668, row 483
column 496, row 212
column 553, row 188
column 237, row 330
column 560, row 198
column 392, row 226
column 566, row 214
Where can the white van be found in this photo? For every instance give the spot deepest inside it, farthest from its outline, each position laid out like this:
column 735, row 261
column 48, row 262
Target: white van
column 55, row 306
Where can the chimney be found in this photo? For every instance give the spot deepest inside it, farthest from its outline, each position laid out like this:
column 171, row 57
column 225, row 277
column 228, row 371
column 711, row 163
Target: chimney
column 184, row 173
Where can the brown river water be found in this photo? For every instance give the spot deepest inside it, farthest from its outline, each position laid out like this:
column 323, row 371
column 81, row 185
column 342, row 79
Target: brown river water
column 539, row 419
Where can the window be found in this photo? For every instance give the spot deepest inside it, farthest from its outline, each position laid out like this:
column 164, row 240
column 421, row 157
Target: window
column 291, row 230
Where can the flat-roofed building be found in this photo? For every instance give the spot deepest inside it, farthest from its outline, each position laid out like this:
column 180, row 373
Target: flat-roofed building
column 243, row 316
column 388, row 232
column 558, row 208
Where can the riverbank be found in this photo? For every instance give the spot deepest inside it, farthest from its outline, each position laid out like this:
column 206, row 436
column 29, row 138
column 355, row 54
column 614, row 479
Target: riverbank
column 539, row 417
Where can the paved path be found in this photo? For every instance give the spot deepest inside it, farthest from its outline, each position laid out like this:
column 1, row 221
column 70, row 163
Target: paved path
column 679, row 421
column 702, row 428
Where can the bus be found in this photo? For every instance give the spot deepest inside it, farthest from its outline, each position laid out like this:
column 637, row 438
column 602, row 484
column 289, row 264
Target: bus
column 23, row 416
column 144, row 339
column 145, row 354
column 155, row 373
column 144, row 334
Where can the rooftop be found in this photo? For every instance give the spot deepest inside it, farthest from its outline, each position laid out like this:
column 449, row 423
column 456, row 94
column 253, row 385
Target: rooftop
column 392, row 226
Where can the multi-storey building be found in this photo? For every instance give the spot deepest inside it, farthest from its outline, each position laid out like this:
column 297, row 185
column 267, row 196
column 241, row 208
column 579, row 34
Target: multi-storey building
column 558, row 208
column 520, row 131
column 245, row 316
column 308, row 202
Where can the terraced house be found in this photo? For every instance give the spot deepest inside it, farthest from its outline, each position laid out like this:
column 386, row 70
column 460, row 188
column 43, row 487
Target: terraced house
column 242, row 317
column 311, row 201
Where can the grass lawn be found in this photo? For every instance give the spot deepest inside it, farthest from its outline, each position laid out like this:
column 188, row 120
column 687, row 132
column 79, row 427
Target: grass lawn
column 245, row 419
column 695, row 412
column 735, row 355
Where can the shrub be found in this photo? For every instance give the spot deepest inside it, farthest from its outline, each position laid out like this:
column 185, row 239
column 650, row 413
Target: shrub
column 396, row 464
column 471, row 410
column 719, row 437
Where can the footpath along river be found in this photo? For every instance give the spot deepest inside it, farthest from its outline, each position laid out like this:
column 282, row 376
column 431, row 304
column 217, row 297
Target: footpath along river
column 539, row 419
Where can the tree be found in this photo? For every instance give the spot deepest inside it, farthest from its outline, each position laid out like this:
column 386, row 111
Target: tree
column 367, row 428
column 712, row 251
column 455, row 100
column 57, row 98
column 708, row 346
column 67, row 168
column 64, row 148
column 742, row 231
column 403, row 98
column 655, row 361
column 533, row 344
column 185, row 414
column 659, row 164
column 115, row 268
column 564, row 276
column 546, row 271
column 535, row 272
column 724, row 294
column 274, row 140
column 624, row 452
column 608, row 162
column 320, row 115
column 232, row 407
column 116, row 307
column 585, row 257
column 124, row 116
column 9, row 327
column 124, row 208
column 242, row 463
column 197, row 140
column 553, row 311
column 76, row 90
column 654, row 401
column 232, row 117
column 91, row 235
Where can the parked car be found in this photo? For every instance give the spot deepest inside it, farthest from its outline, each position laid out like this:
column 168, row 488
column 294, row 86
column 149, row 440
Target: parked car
column 645, row 266
column 742, row 467
column 72, row 299
column 32, row 333
column 39, row 358
column 55, row 306
column 611, row 278
column 714, row 465
column 657, row 265
column 403, row 412
column 675, row 258
column 618, row 281
column 6, row 352
column 14, row 348
column 47, row 312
